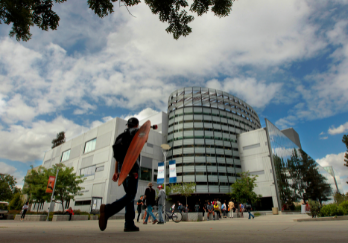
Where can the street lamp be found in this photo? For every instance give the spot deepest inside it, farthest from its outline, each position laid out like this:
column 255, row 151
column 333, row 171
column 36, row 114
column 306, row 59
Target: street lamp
column 165, row 148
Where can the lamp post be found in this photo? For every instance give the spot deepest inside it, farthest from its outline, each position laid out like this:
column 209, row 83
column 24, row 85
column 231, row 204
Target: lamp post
column 165, row 148
column 54, row 187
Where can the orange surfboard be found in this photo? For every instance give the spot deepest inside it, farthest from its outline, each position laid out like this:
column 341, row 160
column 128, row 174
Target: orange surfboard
column 134, row 150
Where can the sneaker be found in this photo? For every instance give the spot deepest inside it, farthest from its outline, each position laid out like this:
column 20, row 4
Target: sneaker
column 144, row 222
column 160, row 223
column 102, row 218
column 131, row 229
column 155, row 221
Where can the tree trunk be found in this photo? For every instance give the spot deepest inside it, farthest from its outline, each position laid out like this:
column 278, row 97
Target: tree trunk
column 186, row 204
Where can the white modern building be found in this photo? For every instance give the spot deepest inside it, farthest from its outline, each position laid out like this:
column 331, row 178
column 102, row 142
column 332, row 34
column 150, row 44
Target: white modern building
column 91, row 155
column 214, row 136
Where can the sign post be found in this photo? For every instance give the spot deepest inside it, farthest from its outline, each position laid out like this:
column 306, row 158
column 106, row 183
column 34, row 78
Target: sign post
column 49, row 186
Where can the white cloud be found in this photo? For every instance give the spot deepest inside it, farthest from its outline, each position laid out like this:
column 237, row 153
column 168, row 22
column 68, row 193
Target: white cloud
column 323, row 138
column 256, row 93
column 336, row 161
column 322, row 133
column 340, row 129
column 145, row 113
column 7, row 169
column 27, row 143
column 137, row 63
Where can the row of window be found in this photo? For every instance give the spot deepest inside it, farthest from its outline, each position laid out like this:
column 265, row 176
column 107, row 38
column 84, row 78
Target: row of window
column 205, row 146
column 89, row 146
column 204, row 130
column 208, row 117
column 171, row 140
column 207, row 164
column 207, row 173
column 208, row 112
column 206, row 155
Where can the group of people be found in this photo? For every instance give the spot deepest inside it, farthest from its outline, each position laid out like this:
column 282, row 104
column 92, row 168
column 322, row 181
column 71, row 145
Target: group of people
column 130, row 185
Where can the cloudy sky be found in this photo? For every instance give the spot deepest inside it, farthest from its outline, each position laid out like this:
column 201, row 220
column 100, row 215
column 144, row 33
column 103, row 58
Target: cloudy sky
column 287, row 59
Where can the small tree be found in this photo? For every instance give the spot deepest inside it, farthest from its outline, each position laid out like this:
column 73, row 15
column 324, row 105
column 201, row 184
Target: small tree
column 35, row 185
column 7, row 187
column 345, row 141
column 16, row 202
column 59, row 140
column 67, row 183
column 243, row 189
column 184, row 189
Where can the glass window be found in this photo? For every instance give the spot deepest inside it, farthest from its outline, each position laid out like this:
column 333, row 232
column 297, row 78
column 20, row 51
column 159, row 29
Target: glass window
column 145, row 174
column 100, row 168
column 65, row 155
column 90, row 145
column 88, row 171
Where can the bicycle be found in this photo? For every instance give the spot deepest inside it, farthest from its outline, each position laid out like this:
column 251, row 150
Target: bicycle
column 175, row 216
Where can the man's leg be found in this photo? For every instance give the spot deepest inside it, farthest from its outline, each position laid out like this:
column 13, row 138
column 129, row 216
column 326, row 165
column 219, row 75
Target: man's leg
column 213, row 215
column 130, row 186
column 139, row 212
column 160, row 217
column 150, row 213
column 70, row 214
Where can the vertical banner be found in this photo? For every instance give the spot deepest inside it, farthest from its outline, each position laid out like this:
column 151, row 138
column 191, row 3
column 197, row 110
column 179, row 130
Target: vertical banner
column 160, row 174
column 172, row 171
column 50, row 184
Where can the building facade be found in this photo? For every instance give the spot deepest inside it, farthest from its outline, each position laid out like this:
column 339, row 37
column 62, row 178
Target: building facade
column 203, row 125
column 91, row 156
column 280, row 167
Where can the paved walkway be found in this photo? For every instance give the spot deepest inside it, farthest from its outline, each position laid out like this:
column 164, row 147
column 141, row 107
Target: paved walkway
column 279, row 228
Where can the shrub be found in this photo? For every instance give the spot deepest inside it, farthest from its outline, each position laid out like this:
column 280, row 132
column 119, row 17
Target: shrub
column 344, row 207
column 16, row 202
column 331, row 210
column 314, row 208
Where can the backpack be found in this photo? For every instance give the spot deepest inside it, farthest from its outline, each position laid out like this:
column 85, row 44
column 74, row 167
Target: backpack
column 122, row 143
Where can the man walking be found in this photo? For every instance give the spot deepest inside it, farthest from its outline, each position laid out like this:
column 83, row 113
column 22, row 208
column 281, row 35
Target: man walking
column 161, row 200
column 249, row 208
column 219, row 204
column 150, row 196
column 130, row 184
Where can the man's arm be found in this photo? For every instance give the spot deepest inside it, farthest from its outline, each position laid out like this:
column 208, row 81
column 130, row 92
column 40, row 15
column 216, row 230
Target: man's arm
column 116, row 174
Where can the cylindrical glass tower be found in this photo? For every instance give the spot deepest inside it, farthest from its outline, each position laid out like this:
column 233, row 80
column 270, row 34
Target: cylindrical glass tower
column 202, row 128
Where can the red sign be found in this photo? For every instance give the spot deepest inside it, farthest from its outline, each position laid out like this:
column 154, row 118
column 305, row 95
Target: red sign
column 50, row 184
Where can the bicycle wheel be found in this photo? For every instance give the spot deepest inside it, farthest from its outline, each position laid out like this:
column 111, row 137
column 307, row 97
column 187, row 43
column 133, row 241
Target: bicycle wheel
column 177, row 217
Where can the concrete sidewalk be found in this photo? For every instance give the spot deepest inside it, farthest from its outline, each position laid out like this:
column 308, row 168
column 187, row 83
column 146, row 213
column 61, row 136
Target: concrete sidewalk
column 278, row 228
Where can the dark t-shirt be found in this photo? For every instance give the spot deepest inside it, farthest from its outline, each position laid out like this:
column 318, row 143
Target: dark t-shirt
column 120, row 148
column 139, row 206
column 210, row 207
column 150, row 196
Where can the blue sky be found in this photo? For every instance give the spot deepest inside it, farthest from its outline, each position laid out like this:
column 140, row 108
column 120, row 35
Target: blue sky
column 287, row 59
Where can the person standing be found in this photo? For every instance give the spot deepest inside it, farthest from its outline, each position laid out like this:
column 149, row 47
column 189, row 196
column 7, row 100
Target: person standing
column 150, row 196
column 249, row 208
column 219, row 204
column 223, row 209
column 231, row 208
column 130, row 184
column 139, row 206
column 241, row 210
column 24, row 210
column 161, row 200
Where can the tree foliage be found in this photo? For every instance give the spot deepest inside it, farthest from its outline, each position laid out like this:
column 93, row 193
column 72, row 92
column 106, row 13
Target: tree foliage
column 35, row 185
column 26, row 13
column 59, row 140
column 16, row 202
column 67, row 183
column 7, row 187
column 184, row 189
column 345, row 141
column 242, row 191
